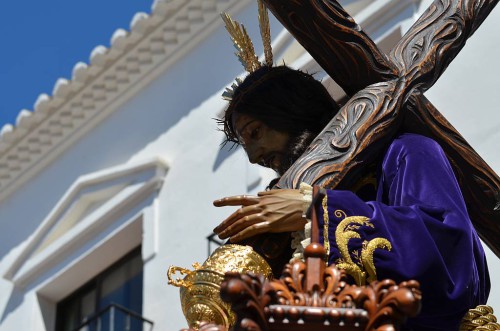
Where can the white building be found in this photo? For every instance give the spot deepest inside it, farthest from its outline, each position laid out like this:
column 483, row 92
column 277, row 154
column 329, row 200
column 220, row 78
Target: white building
column 111, row 179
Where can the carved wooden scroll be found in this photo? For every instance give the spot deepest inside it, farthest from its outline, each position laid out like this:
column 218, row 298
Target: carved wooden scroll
column 387, row 97
column 291, row 304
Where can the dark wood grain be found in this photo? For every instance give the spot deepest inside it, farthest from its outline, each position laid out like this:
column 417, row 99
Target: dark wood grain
column 387, row 97
column 335, row 41
column 435, row 39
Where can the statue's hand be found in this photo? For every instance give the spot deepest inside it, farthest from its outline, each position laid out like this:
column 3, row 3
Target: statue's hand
column 269, row 211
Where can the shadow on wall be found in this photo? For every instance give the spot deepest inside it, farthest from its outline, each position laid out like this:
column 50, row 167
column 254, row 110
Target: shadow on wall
column 16, row 298
column 224, row 153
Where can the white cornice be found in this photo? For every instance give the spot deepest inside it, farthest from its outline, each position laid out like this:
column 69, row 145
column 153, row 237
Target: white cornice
column 89, row 206
column 114, row 75
column 97, row 89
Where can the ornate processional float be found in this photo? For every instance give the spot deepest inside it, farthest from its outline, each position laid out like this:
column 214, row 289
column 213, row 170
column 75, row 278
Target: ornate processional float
column 386, row 98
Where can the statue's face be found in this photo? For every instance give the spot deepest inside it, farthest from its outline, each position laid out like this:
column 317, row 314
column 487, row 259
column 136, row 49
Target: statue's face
column 262, row 144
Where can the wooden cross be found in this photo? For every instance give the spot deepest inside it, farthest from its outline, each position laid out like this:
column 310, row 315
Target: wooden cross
column 386, row 97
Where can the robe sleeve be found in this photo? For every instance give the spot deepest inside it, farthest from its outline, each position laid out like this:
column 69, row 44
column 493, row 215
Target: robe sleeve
column 418, row 228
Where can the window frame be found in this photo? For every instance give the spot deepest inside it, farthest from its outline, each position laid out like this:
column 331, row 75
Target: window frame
column 96, row 283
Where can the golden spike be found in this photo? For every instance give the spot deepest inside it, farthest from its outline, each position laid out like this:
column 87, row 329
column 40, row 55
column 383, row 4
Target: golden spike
column 243, row 43
column 229, row 92
column 244, row 46
column 265, row 33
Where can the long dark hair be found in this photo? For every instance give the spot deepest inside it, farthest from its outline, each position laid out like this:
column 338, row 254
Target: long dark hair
column 284, row 99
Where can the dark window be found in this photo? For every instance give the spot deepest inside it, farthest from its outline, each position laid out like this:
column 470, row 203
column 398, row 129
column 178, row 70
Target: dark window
column 110, row 301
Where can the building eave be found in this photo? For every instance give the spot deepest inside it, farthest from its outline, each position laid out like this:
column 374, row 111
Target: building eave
column 115, row 74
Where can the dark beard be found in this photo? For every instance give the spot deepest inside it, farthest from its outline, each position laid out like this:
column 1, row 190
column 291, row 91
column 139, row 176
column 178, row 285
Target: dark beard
column 296, row 146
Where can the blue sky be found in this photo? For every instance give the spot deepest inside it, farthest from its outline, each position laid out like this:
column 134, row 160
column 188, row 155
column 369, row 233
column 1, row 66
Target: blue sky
column 40, row 41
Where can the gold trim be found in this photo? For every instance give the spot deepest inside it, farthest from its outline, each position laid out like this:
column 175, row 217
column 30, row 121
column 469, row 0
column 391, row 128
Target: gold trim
column 479, row 318
column 172, row 270
column 326, row 225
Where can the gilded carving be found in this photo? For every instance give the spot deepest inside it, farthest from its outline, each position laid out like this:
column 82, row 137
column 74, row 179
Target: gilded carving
column 200, row 298
column 326, row 224
column 329, row 303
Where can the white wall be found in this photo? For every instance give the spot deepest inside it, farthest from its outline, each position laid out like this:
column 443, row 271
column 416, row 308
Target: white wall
column 171, row 118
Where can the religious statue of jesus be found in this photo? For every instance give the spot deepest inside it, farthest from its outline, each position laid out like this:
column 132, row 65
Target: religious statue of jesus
column 401, row 216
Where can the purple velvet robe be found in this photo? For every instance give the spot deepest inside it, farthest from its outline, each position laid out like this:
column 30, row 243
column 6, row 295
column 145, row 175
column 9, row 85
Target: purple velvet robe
column 420, row 210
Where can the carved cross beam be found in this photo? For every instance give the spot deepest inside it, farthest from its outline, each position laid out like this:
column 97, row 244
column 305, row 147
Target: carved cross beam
column 387, row 97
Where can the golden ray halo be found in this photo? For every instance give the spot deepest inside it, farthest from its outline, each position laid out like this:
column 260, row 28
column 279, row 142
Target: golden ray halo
column 245, row 50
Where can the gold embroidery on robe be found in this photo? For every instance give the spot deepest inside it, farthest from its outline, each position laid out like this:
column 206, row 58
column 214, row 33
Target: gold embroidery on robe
column 363, row 268
column 326, row 224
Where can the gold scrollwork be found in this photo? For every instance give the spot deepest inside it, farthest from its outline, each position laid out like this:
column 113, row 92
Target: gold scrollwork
column 172, row 270
column 363, row 270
